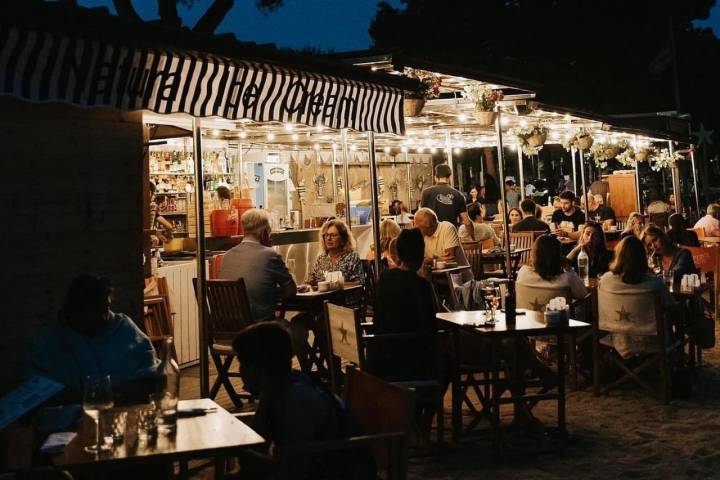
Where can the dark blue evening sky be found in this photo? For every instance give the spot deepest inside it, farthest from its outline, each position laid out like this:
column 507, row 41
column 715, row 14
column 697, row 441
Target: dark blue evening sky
column 337, row 25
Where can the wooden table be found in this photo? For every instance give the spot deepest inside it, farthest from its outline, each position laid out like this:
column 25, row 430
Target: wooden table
column 497, row 257
column 217, row 434
column 528, row 323
column 710, row 240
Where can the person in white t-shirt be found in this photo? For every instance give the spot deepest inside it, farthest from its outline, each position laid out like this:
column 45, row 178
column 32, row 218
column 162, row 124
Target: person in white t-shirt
column 441, row 239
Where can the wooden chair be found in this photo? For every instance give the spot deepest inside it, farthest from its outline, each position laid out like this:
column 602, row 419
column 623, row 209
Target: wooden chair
column 158, row 323
column 343, row 332
column 384, row 412
column 639, row 314
column 227, row 314
column 707, row 261
column 473, row 252
column 423, row 355
column 699, row 231
column 369, row 280
column 523, row 240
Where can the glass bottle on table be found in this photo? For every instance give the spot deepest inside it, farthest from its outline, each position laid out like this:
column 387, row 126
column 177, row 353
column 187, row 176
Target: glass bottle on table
column 584, row 266
column 166, row 397
column 98, row 397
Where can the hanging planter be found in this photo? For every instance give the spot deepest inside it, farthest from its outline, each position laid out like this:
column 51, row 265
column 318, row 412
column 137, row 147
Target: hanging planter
column 641, row 155
column 485, row 119
column 412, row 107
column 531, row 138
column 604, row 152
column 582, row 140
column 484, row 99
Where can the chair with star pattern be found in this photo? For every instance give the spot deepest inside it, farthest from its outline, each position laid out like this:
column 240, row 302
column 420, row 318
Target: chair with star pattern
column 632, row 331
column 343, row 329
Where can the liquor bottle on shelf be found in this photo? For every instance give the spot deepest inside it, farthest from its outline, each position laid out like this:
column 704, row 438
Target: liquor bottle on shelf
column 189, row 164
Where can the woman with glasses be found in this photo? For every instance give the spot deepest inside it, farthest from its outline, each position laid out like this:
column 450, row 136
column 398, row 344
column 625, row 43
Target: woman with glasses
column 338, row 254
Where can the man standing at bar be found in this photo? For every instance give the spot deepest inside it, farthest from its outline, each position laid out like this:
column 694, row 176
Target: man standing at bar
column 447, row 202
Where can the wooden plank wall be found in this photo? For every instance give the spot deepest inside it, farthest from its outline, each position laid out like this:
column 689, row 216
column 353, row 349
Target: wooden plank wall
column 70, row 202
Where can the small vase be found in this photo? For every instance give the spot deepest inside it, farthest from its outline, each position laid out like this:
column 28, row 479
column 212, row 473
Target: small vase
column 413, row 106
column 485, row 119
column 537, row 140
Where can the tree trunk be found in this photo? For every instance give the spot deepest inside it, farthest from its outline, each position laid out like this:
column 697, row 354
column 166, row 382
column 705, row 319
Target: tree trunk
column 214, row 16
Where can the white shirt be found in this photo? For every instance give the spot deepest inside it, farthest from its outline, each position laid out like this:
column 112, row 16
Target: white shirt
column 528, row 276
column 710, row 225
column 483, row 231
column 445, row 237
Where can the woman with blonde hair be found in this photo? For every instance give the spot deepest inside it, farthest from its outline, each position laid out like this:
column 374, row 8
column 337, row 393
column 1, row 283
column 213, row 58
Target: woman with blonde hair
column 389, row 230
column 635, row 226
column 338, row 253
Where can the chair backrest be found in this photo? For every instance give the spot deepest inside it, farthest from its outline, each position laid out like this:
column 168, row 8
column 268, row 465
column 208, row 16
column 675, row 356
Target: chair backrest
column 535, row 297
column 473, row 253
column 658, row 219
column 699, row 231
column 705, row 258
column 488, row 244
column 630, row 312
column 215, row 266
column 379, row 407
column 228, row 308
column 368, row 281
column 523, row 240
column 343, row 332
column 158, row 322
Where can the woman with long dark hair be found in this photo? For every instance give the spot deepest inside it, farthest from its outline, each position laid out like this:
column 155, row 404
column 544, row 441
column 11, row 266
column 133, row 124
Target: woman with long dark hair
column 546, row 268
column 592, row 241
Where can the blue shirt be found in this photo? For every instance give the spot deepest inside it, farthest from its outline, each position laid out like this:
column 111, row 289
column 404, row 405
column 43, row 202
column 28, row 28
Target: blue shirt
column 62, row 354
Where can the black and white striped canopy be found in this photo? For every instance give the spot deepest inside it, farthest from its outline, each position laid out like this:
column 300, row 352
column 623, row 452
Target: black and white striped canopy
column 41, row 66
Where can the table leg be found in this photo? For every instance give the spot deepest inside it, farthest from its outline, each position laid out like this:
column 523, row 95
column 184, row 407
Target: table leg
column 561, row 386
column 219, row 468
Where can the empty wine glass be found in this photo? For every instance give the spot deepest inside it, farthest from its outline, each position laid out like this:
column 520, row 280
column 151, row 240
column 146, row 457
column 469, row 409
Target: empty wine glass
column 98, row 397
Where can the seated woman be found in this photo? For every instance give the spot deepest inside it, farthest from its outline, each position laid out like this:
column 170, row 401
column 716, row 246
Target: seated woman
column 674, row 259
column 91, row 339
column 389, row 230
column 630, row 270
column 546, row 269
column 592, row 240
column 404, row 303
column 483, row 231
column 514, row 216
column 634, row 226
column 678, row 234
column 293, row 410
column 338, row 254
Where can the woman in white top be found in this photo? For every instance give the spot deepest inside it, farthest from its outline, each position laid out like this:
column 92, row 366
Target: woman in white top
column 483, row 231
column 547, row 269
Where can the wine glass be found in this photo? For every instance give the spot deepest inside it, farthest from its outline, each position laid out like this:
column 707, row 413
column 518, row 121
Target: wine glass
column 98, row 397
column 488, row 290
column 495, row 301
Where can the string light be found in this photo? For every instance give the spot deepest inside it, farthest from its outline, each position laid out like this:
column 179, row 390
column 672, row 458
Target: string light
column 295, row 137
column 404, row 149
column 216, row 132
column 462, row 117
column 243, row 134
column 271, row 136
column 289, row 127
column 319, row 128
column 353, row 147
column 316, row 146
column 386, row 149
column 457, row 150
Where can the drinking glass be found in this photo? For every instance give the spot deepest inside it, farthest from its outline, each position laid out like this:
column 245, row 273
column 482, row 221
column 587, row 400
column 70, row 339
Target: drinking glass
column 147, row 428
column 98, row 397
column 114, row 425
column 488, row 290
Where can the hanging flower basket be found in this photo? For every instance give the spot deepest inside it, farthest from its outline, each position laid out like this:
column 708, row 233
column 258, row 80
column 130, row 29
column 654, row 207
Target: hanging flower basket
column 413, row 106
column 612, row 151
column 641, row 155
column 584, row 142
column 537, row 140
column 485, row 119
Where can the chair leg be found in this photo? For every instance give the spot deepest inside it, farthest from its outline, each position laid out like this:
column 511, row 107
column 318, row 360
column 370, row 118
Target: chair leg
column 572, row 361
column 596, row 363
column 456, row 406
column 223, row 368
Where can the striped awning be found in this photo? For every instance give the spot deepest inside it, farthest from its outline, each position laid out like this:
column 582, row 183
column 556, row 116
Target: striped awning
column 41, row 66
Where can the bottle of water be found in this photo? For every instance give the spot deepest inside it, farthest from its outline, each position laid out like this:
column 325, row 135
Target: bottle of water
column 584, row 267
column 167, row 397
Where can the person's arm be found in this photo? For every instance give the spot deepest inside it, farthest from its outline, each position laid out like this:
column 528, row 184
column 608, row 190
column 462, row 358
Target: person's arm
column 572, row 256
column 451, row 243
column 286, row 288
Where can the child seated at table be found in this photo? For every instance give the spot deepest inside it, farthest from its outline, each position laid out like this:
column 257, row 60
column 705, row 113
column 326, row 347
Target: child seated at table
column 293, row 410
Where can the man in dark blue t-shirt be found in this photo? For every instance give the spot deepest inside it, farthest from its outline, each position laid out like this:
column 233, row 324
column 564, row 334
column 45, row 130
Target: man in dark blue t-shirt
column 447, row 202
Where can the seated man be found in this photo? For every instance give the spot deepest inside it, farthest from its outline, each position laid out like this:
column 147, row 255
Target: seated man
column 530, row 222
column 599, row 212
column 710, row 223
column 263, row 269
column 568, row 212
column 293, row 410
column 441, row 239
column 90, row 339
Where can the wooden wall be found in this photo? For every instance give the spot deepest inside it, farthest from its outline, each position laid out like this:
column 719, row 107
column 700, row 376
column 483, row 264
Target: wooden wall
column 71, row 196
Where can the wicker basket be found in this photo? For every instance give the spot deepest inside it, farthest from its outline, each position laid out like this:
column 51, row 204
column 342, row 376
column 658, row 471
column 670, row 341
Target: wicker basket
column 584, row 143
column 537, row 140
column 413, row 106
column 641, row 156
column 485, row 119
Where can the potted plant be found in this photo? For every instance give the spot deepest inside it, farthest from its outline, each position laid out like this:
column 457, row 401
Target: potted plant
column 582, row 140
column 428, row 87
column 630, row 156
column 603, row 152
column 531, row 138
column 663, row 159
column 484, row 99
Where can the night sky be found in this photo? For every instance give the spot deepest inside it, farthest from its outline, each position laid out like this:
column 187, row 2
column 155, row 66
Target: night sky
column 337, row 25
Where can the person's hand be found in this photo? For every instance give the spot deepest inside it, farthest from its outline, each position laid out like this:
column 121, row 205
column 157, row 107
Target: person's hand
column 561, row 233
column 447, row 258
column 427, row 261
